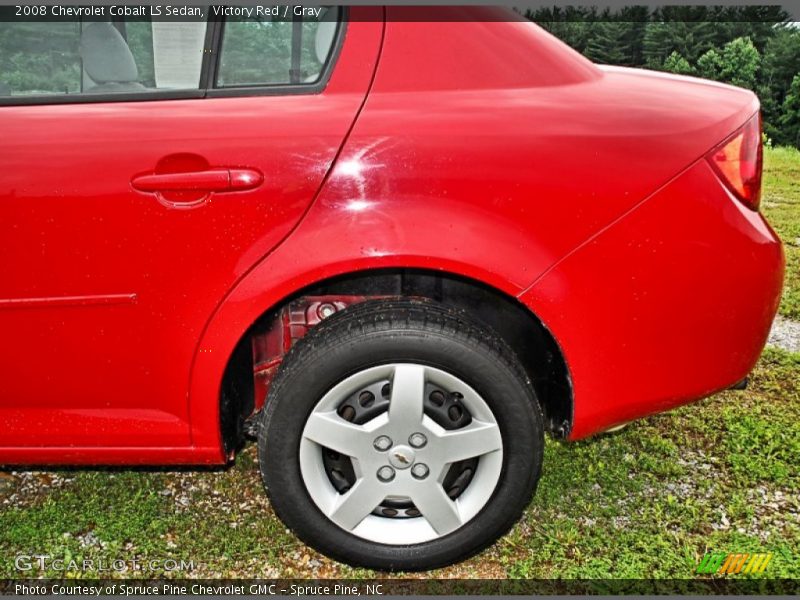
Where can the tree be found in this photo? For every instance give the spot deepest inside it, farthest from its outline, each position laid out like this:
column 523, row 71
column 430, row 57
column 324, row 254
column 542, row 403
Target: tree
column 675, row 63
column 678, row 29
column 608, row 43
column 710, row 65
column 571, row 24
column 637, row 18
column 780, row 63
column 40, row 57
column 737, row 63
column 615, row 37
column 574, row 33
column 781, row 57
column 790, row 119
column 759, row 23
column 742, row 61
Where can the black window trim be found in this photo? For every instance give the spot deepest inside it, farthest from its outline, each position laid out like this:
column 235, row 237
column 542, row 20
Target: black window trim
column 285, row 89
column 208, row 71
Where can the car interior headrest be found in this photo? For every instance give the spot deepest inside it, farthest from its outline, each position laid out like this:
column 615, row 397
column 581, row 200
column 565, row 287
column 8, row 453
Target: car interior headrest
column 326, row 30
column 106, row 56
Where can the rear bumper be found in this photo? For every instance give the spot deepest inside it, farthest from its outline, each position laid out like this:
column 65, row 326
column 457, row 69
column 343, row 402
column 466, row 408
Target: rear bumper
column 670, row 304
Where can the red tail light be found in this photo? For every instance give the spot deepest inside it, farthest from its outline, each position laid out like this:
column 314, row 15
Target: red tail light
column 738, row 162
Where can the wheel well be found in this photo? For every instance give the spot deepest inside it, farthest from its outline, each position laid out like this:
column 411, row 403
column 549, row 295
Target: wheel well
column 257, row 355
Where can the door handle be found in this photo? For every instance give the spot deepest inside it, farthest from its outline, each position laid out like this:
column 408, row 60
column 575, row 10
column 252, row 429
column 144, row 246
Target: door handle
column 218, row 180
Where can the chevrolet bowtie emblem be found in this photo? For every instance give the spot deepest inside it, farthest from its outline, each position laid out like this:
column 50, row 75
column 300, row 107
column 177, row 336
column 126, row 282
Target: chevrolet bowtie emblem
column 402, row 458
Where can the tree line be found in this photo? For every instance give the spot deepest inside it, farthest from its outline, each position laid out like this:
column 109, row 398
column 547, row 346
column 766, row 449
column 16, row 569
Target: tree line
column 755, row 47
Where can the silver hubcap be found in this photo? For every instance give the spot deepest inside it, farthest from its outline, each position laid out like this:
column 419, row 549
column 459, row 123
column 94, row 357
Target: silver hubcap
column 401, row 456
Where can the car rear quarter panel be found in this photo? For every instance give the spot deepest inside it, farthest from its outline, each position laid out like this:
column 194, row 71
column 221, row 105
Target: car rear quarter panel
column 458, row 164
column 670, row 304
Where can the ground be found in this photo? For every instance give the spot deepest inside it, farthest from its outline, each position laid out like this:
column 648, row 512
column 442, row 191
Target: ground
column 720, row 475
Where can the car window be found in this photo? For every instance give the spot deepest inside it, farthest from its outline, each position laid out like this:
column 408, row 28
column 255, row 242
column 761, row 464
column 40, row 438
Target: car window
column 280, row 50
column 74, row 57
column 77, row 59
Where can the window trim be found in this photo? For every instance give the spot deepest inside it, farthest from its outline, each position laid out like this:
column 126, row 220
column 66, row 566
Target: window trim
column 281, row 89
column 208, row 71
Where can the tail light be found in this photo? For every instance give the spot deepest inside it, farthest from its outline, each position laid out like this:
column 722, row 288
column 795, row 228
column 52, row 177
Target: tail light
column 738, row 161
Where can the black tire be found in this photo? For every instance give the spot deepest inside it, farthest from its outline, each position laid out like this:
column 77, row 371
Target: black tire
column 389, row 331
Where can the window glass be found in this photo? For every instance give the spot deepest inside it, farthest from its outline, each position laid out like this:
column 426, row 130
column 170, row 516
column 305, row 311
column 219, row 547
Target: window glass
column 260, row 51
column 178, row 54
column 74, row 57
column 139, row 35
column 39, row 58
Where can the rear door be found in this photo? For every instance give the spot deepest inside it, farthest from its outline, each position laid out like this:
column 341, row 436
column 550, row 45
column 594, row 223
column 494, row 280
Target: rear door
column 146, row 166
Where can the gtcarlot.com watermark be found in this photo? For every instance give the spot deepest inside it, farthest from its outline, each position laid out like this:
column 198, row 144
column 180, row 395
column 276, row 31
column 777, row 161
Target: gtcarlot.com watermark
column 44, row 562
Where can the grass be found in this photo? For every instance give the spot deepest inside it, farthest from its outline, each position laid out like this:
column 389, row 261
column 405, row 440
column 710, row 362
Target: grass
column 721, row 475
column 781, row 205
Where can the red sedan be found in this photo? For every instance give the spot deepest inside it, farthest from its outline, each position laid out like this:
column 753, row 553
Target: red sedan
column 397, row 251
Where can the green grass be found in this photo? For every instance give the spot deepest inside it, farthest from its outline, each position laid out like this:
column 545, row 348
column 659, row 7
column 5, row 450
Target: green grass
column 781, row 205
column 721, row 475
column 654, row 498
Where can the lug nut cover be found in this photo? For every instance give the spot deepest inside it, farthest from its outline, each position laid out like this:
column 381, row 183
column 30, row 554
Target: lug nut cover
column 420, row 470
column 382, row 443
column 386, row 473
column 417, row 440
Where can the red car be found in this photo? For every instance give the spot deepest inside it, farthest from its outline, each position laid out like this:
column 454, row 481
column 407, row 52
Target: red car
column 397, row 246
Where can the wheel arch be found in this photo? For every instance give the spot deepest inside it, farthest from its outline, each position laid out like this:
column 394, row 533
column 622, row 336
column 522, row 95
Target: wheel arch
column 222, row 378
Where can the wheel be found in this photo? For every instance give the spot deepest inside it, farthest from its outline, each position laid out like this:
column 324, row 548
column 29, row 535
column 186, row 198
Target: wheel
column 400, row 435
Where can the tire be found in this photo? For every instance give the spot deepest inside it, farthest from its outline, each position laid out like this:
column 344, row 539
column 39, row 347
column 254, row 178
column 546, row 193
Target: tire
column 315, row 421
